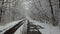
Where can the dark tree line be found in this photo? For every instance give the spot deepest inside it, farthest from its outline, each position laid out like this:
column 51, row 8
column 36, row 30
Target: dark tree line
column 39, row 11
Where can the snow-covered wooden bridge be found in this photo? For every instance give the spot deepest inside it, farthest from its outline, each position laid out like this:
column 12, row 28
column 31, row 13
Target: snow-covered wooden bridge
column 26, row 26
column 19, row 27
column 16, row 27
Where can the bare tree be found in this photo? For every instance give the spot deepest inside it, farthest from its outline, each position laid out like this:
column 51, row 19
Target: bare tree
column 1, row 9
column 59, row 3
column 54, row 22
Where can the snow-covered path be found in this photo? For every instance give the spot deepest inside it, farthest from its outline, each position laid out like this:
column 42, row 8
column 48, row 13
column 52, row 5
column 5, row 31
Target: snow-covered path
column 48, row 28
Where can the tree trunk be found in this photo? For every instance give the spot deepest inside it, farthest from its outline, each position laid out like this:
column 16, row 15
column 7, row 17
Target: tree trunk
column 53, row 17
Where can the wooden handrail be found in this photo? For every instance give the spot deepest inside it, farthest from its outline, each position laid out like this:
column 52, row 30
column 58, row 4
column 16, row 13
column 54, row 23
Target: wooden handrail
column 14, row 28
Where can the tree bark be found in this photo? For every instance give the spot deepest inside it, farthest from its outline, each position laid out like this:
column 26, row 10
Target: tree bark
column 53, row 17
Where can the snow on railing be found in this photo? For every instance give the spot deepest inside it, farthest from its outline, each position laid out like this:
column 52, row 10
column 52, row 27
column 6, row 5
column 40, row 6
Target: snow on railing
column 19, row 27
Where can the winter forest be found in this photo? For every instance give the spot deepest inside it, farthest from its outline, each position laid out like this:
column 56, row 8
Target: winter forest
column 40, row 16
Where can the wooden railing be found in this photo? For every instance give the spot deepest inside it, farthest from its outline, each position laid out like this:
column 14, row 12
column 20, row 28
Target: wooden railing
column 23, row 27
column 16, row 27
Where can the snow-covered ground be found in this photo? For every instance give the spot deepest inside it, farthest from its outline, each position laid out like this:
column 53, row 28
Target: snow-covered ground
column 48, row 28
